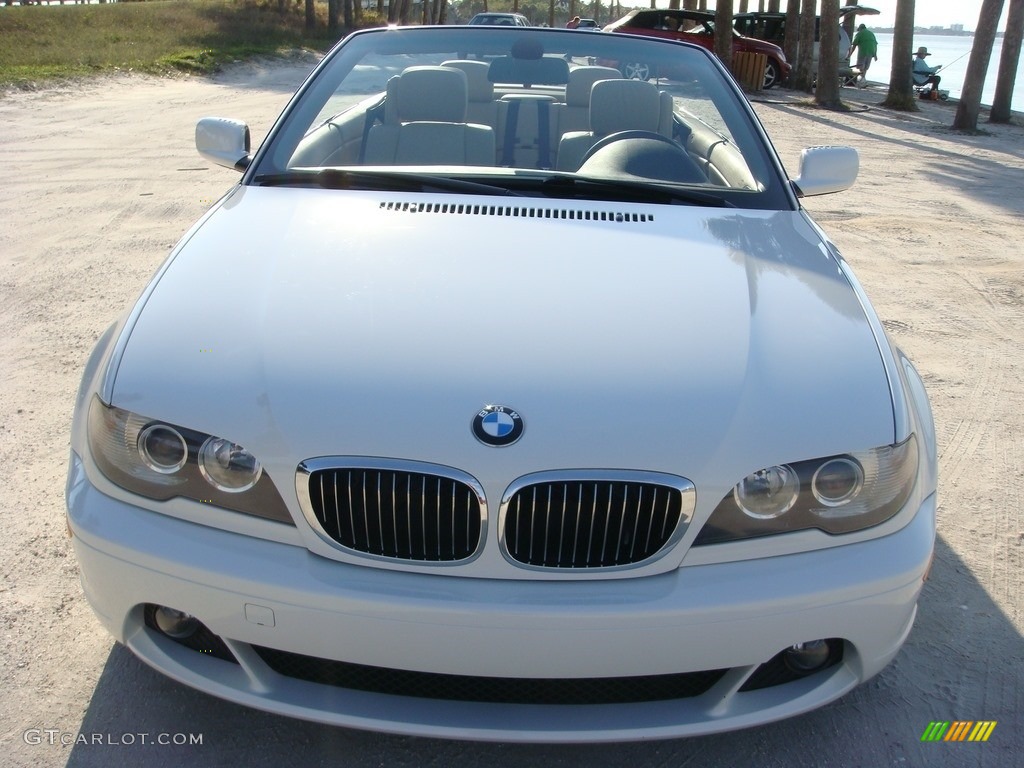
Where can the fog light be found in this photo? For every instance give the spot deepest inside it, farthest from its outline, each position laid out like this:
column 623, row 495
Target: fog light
column 175, row 624
column 806, row 657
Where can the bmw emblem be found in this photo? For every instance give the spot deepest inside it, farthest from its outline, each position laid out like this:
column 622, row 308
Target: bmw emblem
column 497, row 425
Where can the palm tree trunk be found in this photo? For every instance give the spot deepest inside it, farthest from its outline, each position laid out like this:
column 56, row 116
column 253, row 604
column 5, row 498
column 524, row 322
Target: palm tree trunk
column 723, row 43
column 1008, row 61
column 791, row 42
column 332, row 15
column 826, row 91
column 977, row 65
column 850, row 20
column 805, row 54
column 901, row 83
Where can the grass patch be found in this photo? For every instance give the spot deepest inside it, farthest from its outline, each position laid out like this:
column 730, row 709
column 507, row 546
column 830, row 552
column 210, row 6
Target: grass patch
column 55, row 41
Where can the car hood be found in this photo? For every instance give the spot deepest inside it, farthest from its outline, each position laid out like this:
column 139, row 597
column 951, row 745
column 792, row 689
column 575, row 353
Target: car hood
column 702, row 342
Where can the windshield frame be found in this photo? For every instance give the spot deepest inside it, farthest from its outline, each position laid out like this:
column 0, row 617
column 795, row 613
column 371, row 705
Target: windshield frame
column 305, row 107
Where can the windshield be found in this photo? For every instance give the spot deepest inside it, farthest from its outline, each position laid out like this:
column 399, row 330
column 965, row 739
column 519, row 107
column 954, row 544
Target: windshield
column 523, row 111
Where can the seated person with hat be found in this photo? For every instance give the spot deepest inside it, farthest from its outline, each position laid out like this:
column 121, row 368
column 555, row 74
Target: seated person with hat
column 922, row 73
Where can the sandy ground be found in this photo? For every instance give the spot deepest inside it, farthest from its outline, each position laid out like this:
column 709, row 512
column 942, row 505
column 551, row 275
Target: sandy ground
column 101, row 178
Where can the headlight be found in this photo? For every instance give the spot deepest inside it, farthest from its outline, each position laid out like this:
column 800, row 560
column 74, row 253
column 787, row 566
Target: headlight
column 835, row 494
column 767, row 493
column 162, row 449
column 228, row 466
column 160, row 461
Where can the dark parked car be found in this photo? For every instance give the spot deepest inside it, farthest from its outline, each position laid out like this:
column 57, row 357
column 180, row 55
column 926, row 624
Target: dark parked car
column 501, row 19
column 694, row 27
column 771, row 27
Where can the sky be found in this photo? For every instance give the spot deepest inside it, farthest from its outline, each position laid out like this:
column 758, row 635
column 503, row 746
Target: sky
column 929, row 13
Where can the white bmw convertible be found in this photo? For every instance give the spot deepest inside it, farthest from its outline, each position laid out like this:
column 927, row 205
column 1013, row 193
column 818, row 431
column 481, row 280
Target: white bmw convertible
column 507, row 398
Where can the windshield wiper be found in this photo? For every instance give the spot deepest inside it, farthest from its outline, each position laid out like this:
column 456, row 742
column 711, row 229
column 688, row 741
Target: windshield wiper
column 395, row 181
column 627, row 190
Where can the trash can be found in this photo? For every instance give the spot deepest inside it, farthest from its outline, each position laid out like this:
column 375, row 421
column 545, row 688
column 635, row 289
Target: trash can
column 748, row 68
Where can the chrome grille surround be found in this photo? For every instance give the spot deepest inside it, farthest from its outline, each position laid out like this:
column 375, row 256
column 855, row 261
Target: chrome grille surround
column 393, row 510
column 593, row 519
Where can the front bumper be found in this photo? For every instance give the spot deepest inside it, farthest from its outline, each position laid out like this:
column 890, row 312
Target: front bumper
column 734, row 617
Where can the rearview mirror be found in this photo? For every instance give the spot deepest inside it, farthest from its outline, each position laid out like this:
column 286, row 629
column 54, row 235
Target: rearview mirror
column 224, row 142
column 824, row 170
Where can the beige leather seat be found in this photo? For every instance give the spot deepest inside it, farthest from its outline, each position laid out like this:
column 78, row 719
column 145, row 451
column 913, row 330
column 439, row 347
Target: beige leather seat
column 425, row 123
column 482, row 108
column 616, row 105
column 574, row 114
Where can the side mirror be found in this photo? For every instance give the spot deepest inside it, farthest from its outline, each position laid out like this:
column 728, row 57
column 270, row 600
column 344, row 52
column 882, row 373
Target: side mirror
column 224, row 142
column 824, row 170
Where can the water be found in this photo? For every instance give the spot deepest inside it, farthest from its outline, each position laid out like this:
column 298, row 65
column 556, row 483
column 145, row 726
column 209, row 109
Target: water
column 953, row 51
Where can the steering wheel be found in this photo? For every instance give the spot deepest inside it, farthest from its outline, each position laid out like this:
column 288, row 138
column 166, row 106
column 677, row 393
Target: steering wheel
column 642, row 155
column 611, row 138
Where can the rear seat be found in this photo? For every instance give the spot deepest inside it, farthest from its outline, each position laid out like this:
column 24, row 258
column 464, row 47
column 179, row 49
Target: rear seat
column 574, row 114
column 529, row 139
column 527, row 127
column 482, row 108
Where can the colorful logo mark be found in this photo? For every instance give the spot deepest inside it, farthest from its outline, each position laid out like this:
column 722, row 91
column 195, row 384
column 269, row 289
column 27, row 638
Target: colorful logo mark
column 958, row 730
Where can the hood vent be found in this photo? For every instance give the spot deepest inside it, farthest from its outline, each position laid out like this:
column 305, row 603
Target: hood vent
column 518, row 211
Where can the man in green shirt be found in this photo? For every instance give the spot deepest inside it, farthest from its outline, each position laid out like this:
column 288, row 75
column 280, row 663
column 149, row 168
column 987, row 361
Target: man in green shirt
column 866, row 45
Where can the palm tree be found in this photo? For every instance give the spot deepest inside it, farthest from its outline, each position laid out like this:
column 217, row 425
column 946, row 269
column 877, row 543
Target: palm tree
column 1008, row 61
column 826, row 93
column 849, row 21
column 791, row 42
column 977, row 65
column 901, row 82
column 805, row 53
column 723, row 23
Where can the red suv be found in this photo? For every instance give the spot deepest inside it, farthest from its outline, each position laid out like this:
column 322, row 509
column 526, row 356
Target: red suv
column 694, row 27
